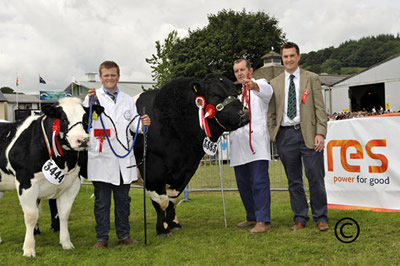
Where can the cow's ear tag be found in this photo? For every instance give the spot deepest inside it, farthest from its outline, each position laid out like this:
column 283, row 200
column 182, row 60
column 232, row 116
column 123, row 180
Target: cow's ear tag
column 95, row 116
column 195, row 88
column 210, row 147
column 53, row 173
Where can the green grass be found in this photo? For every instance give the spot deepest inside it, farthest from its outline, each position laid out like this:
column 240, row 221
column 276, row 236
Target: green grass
column 204, row 239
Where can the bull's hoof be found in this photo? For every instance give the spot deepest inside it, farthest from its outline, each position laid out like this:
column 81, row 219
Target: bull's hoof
column 164, row 235
column 175, row 227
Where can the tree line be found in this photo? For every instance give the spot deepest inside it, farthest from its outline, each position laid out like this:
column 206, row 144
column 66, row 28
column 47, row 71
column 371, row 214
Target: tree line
column 353, row 55
column 230, row 35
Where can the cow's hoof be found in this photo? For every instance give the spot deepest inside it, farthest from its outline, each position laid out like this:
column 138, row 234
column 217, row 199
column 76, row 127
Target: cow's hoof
column 67, row 245
column 29, row 253
column 163, row 235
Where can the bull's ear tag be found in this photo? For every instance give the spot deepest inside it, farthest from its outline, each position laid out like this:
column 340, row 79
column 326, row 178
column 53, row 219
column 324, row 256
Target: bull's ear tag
column 210, row 147
column 53, row 173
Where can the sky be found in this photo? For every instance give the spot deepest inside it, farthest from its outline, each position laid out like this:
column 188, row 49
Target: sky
column 62, row 39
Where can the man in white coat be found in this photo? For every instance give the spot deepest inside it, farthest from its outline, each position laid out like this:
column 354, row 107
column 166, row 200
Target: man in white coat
column 109, row 173
column 250, row 151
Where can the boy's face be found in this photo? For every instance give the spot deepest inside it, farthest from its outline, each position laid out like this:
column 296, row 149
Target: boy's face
column 109, row 77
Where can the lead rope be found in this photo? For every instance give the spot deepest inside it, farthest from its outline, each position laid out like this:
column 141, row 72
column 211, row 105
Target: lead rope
column 105, row 132
column 246, row 100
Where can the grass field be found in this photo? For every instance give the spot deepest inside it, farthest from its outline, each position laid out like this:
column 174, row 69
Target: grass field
column 204, row 239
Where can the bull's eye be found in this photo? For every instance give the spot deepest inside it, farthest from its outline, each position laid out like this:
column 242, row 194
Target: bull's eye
column 239, row 91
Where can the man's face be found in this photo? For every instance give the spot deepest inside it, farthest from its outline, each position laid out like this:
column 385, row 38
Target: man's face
column 109, row 77
column 240, row 69
column 290, row 59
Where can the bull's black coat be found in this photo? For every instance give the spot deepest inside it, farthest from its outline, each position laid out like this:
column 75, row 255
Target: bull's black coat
column 175, row 139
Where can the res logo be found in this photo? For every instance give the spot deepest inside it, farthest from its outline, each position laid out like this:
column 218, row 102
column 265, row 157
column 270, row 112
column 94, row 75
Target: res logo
column 359, row 154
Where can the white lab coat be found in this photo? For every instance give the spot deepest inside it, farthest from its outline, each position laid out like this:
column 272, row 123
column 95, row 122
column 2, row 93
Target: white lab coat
column 104, row 166
column 240, row 152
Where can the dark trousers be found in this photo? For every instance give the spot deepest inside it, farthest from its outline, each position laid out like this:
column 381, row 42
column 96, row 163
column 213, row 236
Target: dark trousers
column 293, row 154
column 102, row 205
column 253, row 183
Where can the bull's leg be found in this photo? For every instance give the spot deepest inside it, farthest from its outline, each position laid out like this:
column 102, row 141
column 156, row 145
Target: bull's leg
column 160, row 203
column 64, row 205
column 171, row 218
column 162, row 228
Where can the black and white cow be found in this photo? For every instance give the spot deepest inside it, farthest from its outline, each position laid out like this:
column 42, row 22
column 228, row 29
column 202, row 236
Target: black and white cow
column 25, row 150
column 175, row 137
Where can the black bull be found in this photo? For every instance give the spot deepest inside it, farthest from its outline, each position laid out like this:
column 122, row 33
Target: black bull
column 175, row 138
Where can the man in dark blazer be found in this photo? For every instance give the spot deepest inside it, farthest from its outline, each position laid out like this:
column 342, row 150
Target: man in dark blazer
column 299, row 129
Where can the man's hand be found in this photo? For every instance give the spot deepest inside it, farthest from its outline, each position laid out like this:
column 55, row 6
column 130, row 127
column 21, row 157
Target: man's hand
column 251, row 85
column 145, row 120
column 92, row 92
column 319, row 143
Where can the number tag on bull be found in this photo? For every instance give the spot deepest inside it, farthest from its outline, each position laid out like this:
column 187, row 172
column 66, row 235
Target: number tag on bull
column 209, row 147
column 53, row 173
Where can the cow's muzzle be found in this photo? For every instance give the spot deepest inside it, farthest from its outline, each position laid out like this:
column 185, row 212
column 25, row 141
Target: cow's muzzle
column 84, row 143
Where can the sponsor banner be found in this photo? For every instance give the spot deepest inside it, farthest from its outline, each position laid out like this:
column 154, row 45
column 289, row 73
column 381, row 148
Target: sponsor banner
column 54, row 95
column 362, row 163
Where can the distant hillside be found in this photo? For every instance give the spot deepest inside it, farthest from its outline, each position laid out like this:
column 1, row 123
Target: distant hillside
column 352, row 56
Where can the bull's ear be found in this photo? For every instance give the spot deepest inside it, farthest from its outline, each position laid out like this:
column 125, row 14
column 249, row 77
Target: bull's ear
column 52, row 110
column 239, row 88
column 197, row 87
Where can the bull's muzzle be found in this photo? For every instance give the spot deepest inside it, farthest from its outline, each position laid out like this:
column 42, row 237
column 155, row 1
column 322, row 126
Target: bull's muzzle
column 244, row 116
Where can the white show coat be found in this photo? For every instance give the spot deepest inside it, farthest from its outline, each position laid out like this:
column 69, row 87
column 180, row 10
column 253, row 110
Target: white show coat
column 240, row 152
column 104, row 166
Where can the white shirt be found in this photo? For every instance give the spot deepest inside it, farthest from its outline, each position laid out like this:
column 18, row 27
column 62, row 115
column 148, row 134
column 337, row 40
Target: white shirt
column 286, row 121
column 103, row 165
column 240, row 152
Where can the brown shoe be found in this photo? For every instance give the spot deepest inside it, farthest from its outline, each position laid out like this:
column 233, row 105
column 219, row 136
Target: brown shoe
column 323, row 226
column 246, row 224
column 298, row 226
column 261, row 228
column 128, row 241
column 100, row 244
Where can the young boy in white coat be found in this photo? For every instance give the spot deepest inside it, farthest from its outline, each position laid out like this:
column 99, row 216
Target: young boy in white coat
column 250, row 156
column 108, row 173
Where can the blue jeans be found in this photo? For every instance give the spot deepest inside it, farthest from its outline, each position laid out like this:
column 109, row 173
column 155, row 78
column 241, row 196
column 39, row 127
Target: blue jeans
column 253, row 183
column 102, row 205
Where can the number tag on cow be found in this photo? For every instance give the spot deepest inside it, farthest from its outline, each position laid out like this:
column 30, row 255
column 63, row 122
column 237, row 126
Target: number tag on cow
column 209, row 147
column 53, row 173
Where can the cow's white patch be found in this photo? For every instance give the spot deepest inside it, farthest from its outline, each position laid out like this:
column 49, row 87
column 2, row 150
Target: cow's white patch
column 72, row 107
column 162, row 200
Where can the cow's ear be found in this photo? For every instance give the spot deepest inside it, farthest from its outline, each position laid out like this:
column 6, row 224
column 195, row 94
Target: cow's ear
column 197, row 87
column 95, row 108
column 52, row 110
